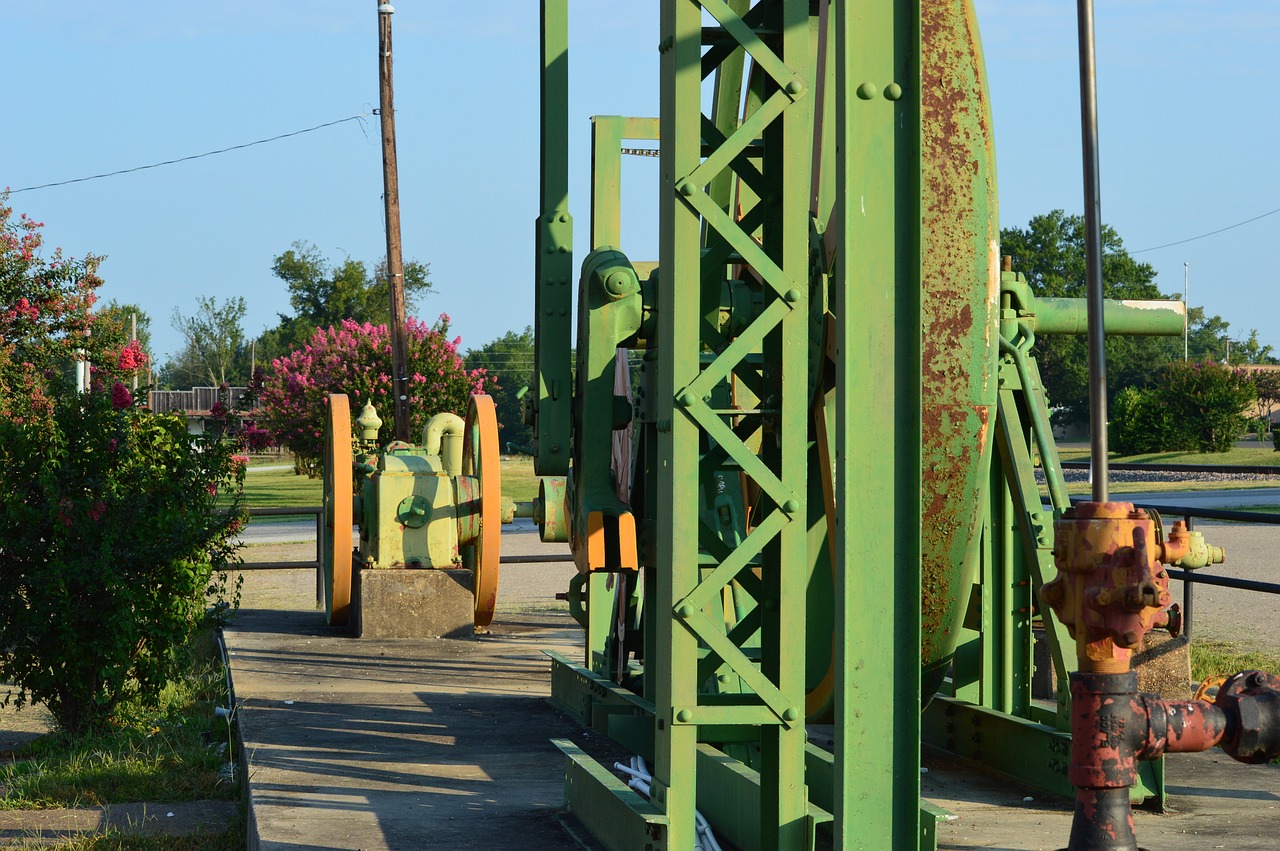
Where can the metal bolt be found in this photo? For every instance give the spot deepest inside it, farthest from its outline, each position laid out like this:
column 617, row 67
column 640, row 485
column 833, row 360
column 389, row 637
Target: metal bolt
column 687, row 188
column 893, row 91
column 790, row 714
column 1257, row 679
column 684, row 716
column 686, row 611
column 867, row 91
column 791, row 506
column 664, row 426
column 792, row 295
column 795, row 87
column 686, row 398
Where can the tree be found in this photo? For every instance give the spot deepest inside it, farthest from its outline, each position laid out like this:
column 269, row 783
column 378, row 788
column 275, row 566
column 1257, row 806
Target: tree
column 215, row 343
column 355, row 359
column 323, row 295
column 1050, row 252
column 508, row 360
column 114, row 319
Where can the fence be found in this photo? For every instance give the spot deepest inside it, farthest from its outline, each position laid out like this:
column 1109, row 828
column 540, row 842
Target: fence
column 195, row 400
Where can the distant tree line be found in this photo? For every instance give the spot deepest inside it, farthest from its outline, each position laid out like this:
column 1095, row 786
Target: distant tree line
column 1156, row 399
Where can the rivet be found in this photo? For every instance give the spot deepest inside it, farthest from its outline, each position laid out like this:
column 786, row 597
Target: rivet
column 664, row 426
column 686, row 610
column 687, row 188
column 791, row 506
column 686, row 398
column 867, row 91
column 684, row 716
column 893, row 91
column 564, row 218
column 790, row 714
column 795, row 87
column 792, row 295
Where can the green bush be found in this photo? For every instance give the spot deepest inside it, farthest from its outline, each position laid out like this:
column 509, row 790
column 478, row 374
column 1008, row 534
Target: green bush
column 108, row 555
column 109, row 538
column 1140, row 423
column 1192, row 407
column 1208, row 400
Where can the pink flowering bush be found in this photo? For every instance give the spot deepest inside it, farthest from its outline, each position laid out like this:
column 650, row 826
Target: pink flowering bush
column 44, row 314
column 356, row 359
column 111, row 533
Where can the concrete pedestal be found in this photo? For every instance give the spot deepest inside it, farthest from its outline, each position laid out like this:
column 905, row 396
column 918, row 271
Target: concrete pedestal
column 412, row 603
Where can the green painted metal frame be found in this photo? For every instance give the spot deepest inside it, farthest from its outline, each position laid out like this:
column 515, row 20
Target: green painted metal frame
column 878, row 446
column 553, row 246
column 687, row 589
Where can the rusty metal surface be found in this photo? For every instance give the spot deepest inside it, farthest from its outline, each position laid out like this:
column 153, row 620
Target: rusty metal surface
column 960, row 285
column 1111, row 589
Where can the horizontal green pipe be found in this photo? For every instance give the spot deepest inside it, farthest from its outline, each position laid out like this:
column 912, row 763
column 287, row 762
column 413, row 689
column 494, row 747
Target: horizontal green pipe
column 1132, row 317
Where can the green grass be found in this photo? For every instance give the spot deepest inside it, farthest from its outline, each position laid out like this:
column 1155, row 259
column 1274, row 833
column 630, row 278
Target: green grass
column 281, row 489
column 1248, row 456
column 231, row 839
column 1221, row 659
column 518, row 481
column 165, row 752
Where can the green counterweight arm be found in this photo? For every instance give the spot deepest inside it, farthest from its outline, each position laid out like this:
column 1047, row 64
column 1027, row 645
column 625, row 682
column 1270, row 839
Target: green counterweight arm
column 1152, row 318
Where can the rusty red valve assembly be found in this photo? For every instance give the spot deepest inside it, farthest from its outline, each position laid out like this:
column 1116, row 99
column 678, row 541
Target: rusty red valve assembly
column 1111, row 590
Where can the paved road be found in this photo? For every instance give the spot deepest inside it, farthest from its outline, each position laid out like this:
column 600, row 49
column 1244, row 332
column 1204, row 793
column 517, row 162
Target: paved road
column 1206, row 499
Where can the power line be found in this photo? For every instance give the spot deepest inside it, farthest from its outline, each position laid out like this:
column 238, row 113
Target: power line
column 360, row 117
column 1210, row 233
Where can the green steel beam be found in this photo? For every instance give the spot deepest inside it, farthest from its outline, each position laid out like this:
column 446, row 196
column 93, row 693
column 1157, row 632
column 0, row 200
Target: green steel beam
column 772, row 240
column 617, row 816
column 608, row 132
column 878, row 430
column 553, row 248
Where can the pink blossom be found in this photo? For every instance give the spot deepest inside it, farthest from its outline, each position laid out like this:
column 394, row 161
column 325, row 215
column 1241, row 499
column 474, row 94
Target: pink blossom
column 120, row 396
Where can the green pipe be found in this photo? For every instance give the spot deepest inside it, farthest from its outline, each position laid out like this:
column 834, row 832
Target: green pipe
column 1130, row 317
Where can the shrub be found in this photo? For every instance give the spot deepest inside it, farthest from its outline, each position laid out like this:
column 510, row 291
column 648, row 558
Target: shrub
column 1141, row 423
column 356, row 359
column 108, row 536
column 1208, row 400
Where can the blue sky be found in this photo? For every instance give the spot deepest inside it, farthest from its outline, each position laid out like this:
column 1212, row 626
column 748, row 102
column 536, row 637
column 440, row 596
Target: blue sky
column 1188, row 116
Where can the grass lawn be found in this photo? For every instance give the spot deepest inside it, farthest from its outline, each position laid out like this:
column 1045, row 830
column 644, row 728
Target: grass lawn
column 173, row 751
column 1220, row 659
column 281, row 489
column 1247, row 456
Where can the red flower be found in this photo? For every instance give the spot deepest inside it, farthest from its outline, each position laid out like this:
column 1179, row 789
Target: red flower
column 120, row 397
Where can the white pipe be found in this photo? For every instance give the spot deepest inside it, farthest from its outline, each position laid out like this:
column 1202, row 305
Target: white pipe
column 641, row 780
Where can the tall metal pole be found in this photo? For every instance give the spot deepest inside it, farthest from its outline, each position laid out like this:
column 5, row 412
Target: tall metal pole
column 1186, row 307
column 391, row 198
column 1093, row 253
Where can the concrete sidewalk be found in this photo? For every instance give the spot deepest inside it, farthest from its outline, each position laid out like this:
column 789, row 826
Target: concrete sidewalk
column 444, row 743
column 360, row 744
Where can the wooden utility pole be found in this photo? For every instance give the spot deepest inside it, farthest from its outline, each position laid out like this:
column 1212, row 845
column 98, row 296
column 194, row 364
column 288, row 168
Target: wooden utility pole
column 391, row 197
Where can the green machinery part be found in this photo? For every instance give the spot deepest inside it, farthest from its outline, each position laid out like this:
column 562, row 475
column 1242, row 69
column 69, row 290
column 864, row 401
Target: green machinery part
column 832, row 356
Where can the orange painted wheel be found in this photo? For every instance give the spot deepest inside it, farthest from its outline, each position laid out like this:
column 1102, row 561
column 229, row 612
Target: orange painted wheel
column 337, row 510
column 480, row 459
